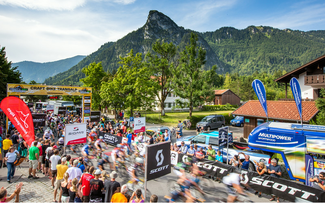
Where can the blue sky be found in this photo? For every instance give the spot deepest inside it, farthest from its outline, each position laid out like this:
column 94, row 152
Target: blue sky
column 50, row 30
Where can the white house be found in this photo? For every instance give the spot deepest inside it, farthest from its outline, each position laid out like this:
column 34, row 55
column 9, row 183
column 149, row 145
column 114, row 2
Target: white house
column 170, row 102
column 311, row 77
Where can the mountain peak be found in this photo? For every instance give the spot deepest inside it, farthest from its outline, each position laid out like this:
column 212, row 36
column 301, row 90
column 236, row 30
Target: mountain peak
column 158, row 21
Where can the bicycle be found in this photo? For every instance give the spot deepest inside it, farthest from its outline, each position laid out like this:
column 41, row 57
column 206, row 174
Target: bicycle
column 121, row 169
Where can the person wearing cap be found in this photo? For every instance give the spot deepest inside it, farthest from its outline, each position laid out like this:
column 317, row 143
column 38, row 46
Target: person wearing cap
column 191, row 150
column 183, row 148
column 81, row 164
column 111, row 187
column 61, row 168
column 85, row 184
column 74, row 171
column 96, row 187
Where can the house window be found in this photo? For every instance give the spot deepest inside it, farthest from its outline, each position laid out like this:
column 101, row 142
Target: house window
column 174, row 104
column 324, row 70
column 169, row 105
column 169, row 95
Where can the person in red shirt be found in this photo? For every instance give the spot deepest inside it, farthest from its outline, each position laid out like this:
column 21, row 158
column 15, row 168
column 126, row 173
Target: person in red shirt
column 85, row 184
column 133, row 136
column 123, row 128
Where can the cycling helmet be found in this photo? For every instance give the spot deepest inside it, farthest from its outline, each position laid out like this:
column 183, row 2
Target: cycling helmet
column 139, row 160
column 101, row 137
column 119, row 146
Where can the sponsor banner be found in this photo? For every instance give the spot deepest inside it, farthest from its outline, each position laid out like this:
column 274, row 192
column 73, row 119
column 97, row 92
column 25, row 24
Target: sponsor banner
column 75, row 134
column 139, row 124
column 223, row 137
column 87, row 101
column 296, row 91
column 86, row 119
column 17, row 89
column 173, row 158
column 86, row 111
column 283, row 188
column 20, row 116
column 131, row 119
column 39, row 119
column 309, row 163
column 86, row 97
column 94, row 116
column 260, row 93
column 50, row 107
column 87, row 104
column 87, row 108
column 38, row 106
column 110, row 139
column 158, row 160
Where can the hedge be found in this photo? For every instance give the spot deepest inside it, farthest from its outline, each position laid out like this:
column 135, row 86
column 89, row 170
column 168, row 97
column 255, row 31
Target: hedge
column 226, row 107
column 195, row 119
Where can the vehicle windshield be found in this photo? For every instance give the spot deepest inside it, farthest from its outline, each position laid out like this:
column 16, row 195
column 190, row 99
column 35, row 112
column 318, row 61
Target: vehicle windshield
column 239, row 118
column 206, row 119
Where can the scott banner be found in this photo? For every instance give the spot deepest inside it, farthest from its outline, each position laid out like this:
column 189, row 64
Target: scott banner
column 158, row 160
column 260, row 93
column 39, row 119
column 139, row 124
column 296, row 91
column 75, row 134
column 19, row 114
column 283, row 188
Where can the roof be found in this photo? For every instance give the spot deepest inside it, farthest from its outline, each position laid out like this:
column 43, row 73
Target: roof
column 219, row 92
column 287, row 77
column 278, row 110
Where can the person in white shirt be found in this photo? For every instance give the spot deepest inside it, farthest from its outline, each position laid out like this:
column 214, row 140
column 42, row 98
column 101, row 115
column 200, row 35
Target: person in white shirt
column 54, row 159
column 74, row 172
column 232, row 181
column 48, row 134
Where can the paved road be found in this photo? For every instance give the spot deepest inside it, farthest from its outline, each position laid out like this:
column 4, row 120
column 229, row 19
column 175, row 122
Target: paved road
column 41, row 191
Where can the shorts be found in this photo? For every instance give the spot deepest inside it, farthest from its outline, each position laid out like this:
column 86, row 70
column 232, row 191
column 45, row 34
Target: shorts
column 33, row 164
column 57, row 184
column 5, row 152
column 231, row 190
column 43, row 159
column 65, row 199
column 113, row 157
column 40, row 159
column 86, row 152
column 47, row 163
column 54, row 172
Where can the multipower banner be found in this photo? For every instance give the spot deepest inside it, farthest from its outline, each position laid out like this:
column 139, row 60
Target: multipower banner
column 266, row 184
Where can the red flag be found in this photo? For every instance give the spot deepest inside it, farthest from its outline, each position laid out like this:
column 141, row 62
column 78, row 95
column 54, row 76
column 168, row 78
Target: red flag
column 19, row 114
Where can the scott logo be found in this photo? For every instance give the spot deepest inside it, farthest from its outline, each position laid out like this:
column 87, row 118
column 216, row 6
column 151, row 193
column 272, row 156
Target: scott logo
column 159, row 157
column 75, row 129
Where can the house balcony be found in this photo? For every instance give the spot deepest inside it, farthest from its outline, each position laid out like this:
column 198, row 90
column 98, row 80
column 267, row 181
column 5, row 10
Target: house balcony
column 315, row 79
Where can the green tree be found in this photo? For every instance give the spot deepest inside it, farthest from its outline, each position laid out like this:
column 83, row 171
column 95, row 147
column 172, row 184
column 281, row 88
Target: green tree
column 132, row 86
column 77, row 100
column 162, row 66
column 320, row 103
column 227, row 82
column 191, row 82
column 8, row 74
column 94, row 75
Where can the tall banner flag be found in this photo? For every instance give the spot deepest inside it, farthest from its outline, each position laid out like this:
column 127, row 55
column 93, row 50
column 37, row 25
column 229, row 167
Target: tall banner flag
column 139, row 124
column 260, row 93
column 19, row 114
column 296, row 91
column 309, row 163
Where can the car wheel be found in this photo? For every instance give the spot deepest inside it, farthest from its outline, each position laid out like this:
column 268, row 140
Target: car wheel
column 242, row 125
column 209, row 128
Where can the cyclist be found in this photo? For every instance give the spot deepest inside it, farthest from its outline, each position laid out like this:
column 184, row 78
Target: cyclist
column 98, row 145
column 85, row 151
column 133, row 171
column 104, row 161
column 60, row 143
column 117, row 154
column 48, row 134
column 232, row 181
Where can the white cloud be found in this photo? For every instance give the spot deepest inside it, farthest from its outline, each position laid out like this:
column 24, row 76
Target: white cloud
column 45, row 4
column 123, row 1
column 199, row 13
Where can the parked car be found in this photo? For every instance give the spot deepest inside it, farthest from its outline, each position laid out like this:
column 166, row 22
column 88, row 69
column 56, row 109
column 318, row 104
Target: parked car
column 237, row 121
column 212, row 122
column 203, row 140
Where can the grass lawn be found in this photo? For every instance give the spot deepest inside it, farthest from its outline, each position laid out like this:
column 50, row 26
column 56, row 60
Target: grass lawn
column 171, row 119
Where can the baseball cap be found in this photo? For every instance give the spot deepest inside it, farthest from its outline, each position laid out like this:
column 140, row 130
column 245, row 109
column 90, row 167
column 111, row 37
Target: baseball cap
column 98, row 172
column 113, row 174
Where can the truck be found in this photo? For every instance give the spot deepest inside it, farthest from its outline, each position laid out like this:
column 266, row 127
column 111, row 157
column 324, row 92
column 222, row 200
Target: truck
column 59, row 103
column 292, row 142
